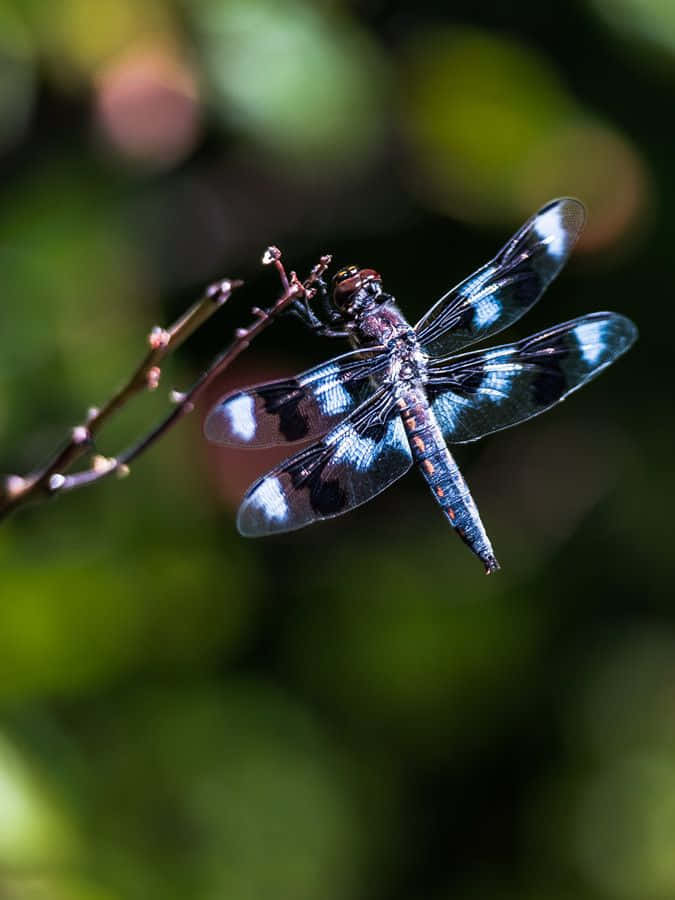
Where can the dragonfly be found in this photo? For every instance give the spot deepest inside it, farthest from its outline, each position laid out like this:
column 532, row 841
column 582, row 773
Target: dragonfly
column 404, row 393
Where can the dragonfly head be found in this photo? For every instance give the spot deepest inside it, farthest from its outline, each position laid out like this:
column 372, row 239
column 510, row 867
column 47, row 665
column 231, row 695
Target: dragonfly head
column 354, row 289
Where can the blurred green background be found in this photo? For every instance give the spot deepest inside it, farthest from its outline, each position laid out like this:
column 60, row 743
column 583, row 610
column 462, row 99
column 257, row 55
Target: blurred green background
column 352, row 711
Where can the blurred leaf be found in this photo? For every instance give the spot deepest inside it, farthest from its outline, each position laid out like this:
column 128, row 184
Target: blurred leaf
column 496, row 134
column 194, row 782
column 35, row 830
column 305, row 83
column 476, row 104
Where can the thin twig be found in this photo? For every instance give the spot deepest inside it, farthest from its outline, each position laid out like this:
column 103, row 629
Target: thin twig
column 51, row 479
column 162, row 341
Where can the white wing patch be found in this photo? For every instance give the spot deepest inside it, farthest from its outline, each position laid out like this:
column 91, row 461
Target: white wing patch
column 447, row 407
column 497, row 379
column 550, row 229
column 590, row 340
column 487, row 312
column 362, row 452
column 331, row 396
column 239, row 411
column 352, row 448
column 270, row 498
column 498, row 352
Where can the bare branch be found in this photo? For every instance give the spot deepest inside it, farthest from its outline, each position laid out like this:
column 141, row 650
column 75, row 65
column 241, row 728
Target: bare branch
column 52, row 479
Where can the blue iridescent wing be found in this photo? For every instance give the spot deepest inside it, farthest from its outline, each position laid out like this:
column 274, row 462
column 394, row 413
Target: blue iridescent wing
column 295, row 409
column 352, row 463
column 498, row 294
column 481, row 392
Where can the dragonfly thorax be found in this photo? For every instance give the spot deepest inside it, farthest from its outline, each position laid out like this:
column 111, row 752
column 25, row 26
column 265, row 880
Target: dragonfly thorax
column 407, row 362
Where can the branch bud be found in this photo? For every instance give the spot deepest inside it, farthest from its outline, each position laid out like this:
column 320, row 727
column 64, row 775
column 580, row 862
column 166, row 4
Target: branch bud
column 80, row 435
column 158, row 337
column 272, row 254
column 152, row 377
column 102, row 464
column 56, row 482
column 220, row 291
column 14, row 485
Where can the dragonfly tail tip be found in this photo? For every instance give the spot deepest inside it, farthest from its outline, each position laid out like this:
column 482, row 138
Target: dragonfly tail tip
column 491, row 565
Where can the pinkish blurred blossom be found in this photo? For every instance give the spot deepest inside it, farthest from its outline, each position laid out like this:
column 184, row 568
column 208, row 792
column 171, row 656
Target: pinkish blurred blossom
column 147, row 105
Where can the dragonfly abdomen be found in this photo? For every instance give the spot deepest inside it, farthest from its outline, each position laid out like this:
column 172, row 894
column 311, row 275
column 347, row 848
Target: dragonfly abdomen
column 442, row 474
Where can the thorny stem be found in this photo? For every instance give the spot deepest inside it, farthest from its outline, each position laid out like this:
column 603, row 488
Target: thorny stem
column 51, row 480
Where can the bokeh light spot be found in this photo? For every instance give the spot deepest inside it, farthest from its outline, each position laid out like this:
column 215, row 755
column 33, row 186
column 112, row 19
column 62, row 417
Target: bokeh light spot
column 148, row 107
column 589, row 160
column 33, row 831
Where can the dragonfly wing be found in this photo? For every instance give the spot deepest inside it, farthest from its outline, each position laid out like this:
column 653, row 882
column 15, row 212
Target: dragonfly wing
column 481, row 392
column 498, row 294
column 295, row 409
column 359, row 458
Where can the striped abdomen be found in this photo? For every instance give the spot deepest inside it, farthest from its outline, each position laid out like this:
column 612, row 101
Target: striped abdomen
column 443, row 476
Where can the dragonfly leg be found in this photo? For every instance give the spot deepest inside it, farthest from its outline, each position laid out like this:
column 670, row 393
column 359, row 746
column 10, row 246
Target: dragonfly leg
column 331, row 325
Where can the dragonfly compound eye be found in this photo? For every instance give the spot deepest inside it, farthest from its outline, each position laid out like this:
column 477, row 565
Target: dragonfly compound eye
column 350, row 283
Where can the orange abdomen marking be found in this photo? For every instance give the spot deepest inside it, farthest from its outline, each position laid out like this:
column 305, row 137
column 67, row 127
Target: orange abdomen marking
column 419, row 443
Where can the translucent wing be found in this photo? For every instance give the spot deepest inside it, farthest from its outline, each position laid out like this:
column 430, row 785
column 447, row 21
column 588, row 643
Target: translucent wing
column 295, row 409
column 505, row 288
column 481, row 392
column 352, row 463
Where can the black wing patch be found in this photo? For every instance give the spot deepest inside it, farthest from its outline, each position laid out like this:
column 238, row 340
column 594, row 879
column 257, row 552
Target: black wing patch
column 506, row 287
column 352, row 463
column 296, row 409
column 481, row 392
